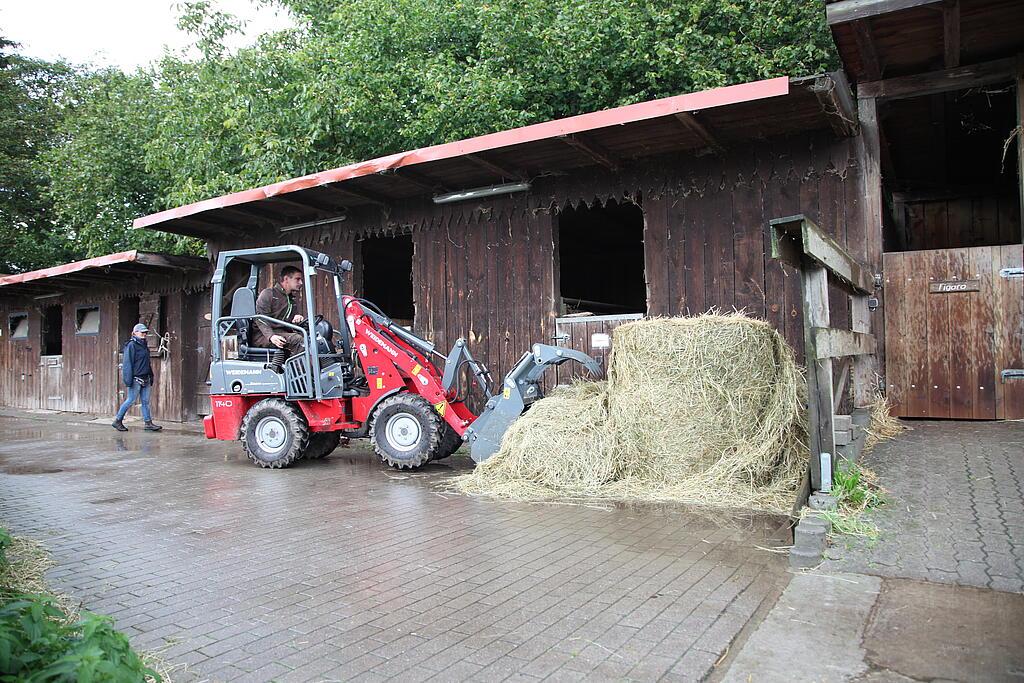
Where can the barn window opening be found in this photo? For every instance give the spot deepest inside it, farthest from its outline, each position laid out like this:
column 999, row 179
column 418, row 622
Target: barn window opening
column 52, row 332
column 601, row 259
column 17, row 325
column 127, row 317
column 386, row 270
column 87, row 320
column 951, row 180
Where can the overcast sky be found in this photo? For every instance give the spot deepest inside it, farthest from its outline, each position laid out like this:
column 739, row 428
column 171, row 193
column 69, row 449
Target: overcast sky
column 124, row 33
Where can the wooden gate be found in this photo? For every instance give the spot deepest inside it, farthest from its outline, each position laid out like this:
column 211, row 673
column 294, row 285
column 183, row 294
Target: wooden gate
column 51, row 391
column 590, row 334
column 954, row 333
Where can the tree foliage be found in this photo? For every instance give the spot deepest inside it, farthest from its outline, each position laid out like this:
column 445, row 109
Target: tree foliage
column 364, row 78
column 29, row 120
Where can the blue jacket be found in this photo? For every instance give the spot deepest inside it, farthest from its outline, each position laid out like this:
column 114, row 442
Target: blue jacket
column 135, row 362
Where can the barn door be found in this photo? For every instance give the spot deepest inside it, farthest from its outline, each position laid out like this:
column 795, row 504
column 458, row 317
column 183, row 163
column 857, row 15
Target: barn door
column 954, row 333
column 51, row 394
column 590, row 334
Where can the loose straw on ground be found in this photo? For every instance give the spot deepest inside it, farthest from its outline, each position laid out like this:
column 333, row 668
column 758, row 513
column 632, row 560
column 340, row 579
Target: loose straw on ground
column 706, row 410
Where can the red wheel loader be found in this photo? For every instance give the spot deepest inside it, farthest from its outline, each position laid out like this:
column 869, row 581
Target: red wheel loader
column 376, row 380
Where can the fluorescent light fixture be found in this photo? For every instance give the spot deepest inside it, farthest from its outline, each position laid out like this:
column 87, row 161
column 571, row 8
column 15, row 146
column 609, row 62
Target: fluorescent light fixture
column 477, row 192
column 312, row 224
column 48, row 296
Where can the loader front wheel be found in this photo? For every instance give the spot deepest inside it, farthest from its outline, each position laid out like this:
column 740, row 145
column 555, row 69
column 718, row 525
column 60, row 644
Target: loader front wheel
column 405, row 431
column 274, row 433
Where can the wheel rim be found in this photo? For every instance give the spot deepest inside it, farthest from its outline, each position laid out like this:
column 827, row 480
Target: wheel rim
column 271, row 435
column 403, row 432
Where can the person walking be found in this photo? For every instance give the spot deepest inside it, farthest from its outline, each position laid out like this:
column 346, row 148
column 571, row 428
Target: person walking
column 137, row 374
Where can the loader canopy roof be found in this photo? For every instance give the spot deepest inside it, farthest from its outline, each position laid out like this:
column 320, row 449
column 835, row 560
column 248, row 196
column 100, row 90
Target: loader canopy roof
column 693, row 124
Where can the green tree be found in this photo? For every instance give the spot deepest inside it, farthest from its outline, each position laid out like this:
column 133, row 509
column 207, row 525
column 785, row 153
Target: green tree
column 29, row 116
column 99, row 178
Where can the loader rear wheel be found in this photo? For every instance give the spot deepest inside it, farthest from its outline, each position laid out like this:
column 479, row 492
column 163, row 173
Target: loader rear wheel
column 322, row 444
column 450, row 442
column 274, row 433
column 405, row 431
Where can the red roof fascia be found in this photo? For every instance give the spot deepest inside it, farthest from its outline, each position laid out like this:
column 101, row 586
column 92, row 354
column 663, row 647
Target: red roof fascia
column 68, row 268
column 707, row 99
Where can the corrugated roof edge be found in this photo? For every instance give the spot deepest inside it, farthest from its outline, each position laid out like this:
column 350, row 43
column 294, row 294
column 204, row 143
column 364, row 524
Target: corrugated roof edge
column 120, row 257
column 706, row 99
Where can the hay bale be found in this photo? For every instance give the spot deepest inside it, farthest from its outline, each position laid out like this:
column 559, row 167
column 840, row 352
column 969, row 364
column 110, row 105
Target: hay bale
column 705, row 410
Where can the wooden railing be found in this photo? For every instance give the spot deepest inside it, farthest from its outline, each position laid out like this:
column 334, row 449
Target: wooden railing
column 797, row 241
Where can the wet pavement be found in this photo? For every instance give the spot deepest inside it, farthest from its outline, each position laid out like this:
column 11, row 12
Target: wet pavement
column 342, row 569
column 956, row 507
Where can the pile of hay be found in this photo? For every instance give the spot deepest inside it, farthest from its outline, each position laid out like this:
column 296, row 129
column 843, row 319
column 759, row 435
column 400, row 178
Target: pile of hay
column 705, row 410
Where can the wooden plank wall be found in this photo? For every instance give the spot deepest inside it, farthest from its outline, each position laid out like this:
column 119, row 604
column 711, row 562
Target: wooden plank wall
column 90, row 378
column 487, row 270
column 955, row 223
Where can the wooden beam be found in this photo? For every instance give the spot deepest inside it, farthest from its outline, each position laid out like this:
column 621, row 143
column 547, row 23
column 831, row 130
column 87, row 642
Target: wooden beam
column 815, row 244
column 840, row 388
column 868, row 146
column 701, row 130
column 503, row 173
column 173, row 261
column 820, row 406
column 421, row 180
column 1020, row 145
column 944, row 80
column 305, row 205
column 353, row 193
column 836, row 100
column 866, row 47
column 852, row 10
column 591, row 150
column 951, row 33
column 834, row 343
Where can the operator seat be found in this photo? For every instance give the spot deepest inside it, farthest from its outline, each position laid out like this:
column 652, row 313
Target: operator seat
column 243, row 307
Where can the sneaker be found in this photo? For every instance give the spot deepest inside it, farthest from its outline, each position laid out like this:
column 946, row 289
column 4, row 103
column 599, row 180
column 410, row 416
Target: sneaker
column 150, row 427
column 119, row 426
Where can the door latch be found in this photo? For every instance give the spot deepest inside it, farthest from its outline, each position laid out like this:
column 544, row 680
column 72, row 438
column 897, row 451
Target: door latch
column 1010, row 273
column 1011, row 374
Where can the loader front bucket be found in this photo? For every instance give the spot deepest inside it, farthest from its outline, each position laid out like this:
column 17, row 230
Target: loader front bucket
column 520, row 388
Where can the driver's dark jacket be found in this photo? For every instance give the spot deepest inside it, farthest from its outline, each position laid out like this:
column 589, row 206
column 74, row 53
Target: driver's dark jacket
column 275, row 303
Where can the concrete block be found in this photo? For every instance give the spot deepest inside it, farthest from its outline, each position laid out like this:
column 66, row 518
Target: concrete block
column 842, row 422
column 801, row 558
column 821, row 501
column 843, row 436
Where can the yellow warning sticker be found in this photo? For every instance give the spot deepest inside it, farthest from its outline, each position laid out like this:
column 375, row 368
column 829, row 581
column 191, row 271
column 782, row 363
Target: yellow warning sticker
column 416, row 370
column 507, row 393
column 380, row 382
column 441, row 407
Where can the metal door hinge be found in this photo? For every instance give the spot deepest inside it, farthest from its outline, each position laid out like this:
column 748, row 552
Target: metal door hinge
column 1011, row 374
column 1009, row 273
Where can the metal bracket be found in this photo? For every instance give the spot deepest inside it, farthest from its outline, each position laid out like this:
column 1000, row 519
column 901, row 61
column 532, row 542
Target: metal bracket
column 1011, row 374
column 1010, row 273
column 878, row 280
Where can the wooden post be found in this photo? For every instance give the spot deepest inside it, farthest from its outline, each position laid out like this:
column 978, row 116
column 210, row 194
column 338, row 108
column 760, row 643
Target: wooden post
column 865, row 369
column 1020, row 141
column 820, row 407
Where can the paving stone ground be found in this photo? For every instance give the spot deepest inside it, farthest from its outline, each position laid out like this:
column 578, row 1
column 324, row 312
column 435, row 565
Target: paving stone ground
column 956, row 510
column 342, row 569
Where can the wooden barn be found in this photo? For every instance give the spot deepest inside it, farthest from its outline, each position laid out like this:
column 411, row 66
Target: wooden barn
column 63, row 327
column 561, row 230
column 908, row 160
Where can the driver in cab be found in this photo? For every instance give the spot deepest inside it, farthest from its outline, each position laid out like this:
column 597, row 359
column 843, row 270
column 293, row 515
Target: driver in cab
column 278, row 302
